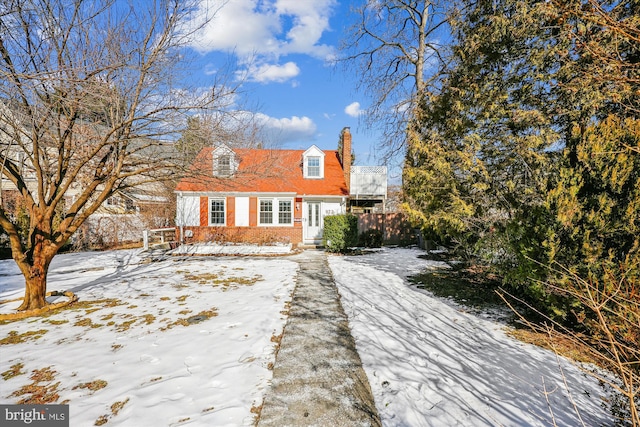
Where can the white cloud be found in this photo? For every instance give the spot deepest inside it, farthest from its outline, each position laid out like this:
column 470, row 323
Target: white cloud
column 264, row 29
column 266, row 73
column 285, row 130
column 353, row 109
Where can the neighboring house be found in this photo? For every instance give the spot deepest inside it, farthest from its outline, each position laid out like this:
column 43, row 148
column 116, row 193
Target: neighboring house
column 264, row 196
column 121, row 218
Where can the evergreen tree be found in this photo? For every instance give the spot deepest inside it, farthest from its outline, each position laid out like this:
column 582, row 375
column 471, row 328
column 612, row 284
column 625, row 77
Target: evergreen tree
column 535, row 127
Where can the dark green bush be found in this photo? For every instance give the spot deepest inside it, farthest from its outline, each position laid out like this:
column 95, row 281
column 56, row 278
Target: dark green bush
column 371, row 238
column 340, row 232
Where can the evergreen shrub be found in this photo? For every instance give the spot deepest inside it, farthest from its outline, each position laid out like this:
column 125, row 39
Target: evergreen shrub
column 340, row 232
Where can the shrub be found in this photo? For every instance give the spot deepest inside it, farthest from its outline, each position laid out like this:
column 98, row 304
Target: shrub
column 371, row 238
column 340, row 232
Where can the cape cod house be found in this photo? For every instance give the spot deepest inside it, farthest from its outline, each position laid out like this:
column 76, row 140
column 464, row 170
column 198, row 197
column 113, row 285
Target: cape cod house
column 265, row 196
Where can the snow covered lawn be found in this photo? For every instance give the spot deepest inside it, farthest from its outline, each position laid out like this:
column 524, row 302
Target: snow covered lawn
column 430, row 363
column 177, row 342
column 189, row 342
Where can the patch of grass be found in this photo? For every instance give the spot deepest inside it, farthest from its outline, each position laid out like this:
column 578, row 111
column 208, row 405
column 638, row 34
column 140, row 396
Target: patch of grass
column 207, row 314
column 182, row 298
column 126, row 325
column 165, row 299
column 202, row 278
column 92, row 386
column 13, row 371
column 225, row 282
column 15, row 338
column 256, row 409
column 117, row 407
column 235, row 282
column 90, row 304
column 558, row 344
column 56, row 322
column 149, row 318
column 116, row 347
column 37, row 393
column 276, row 339
column 87, row 322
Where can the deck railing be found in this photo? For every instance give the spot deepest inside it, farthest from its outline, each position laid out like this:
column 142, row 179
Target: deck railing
column 368, row 181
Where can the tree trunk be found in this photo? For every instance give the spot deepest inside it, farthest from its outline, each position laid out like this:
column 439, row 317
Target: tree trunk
column 36, row 280
column 35, row 291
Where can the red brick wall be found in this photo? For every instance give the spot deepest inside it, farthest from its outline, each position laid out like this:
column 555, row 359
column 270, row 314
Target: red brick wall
column 259, row 235
column 251, row 234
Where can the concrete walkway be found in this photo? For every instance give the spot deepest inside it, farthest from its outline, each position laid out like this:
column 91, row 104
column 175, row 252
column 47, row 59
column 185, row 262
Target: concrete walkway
column 318, row 378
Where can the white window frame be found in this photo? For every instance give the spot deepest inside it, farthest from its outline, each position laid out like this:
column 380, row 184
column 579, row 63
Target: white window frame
column 314, row 171
column 224, row 170
column 224, row 211
column 275, row 212
column 312, row 153
column 224, row 165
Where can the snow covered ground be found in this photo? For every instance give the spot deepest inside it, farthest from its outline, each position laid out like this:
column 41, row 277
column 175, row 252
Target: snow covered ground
column 189, row 341
column 431, row 363
column 137, row 342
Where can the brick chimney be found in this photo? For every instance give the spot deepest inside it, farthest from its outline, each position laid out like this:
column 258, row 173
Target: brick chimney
column 345, row 155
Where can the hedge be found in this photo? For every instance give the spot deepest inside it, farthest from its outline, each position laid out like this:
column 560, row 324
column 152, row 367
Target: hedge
column 340, row 232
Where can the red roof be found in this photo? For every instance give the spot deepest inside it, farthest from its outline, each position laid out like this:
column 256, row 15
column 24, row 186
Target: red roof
column 266, row 171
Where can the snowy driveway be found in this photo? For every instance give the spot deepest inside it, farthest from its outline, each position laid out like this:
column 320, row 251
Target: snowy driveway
column 431, row 364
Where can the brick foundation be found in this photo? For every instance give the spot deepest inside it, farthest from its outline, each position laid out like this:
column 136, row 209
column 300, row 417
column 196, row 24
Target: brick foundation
column 255, row 235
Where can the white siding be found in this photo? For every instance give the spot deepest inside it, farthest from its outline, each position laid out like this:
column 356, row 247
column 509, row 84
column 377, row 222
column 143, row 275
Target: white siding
column 331, row 208
column 242, row 211
column 188, row 211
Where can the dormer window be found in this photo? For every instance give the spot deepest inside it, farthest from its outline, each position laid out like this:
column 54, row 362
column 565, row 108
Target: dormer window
column 313, row 167
column 224, row 165
column 313, row 163
column 224, row 162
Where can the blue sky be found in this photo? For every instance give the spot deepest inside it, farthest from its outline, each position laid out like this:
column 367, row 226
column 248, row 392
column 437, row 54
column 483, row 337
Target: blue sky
column 283, row 51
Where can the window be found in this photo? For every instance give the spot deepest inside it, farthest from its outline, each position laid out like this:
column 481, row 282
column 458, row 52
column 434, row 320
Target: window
column 275, row 211
column 224, row 165
column 284, row 212
column 266, row 211
column 217, row 214
column 313, row 167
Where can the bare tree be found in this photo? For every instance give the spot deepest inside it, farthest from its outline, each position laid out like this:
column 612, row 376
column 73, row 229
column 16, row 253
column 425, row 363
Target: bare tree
column 89, row 97
column 394, row 47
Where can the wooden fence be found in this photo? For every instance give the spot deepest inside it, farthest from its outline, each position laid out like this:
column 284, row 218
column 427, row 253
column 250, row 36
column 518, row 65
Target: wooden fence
column 395, row 228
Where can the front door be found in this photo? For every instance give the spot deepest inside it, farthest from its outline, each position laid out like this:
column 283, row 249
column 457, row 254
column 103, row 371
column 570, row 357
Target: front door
column 313, row 226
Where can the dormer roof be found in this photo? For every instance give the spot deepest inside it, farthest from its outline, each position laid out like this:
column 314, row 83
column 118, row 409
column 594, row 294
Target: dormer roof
column 313, row 163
